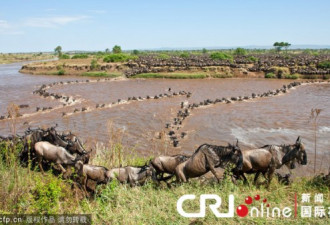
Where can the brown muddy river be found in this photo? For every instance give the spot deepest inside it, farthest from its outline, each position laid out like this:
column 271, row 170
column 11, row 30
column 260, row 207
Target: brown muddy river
column 273, row 120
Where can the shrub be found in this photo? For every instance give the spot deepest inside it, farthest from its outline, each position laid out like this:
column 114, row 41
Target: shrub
column 117, row 58
column 240, row 51
column 135, row 52
column 61, row 72
column 163, row 56
column 324, row 65
column 47, row 195
column 252, row 59
column 80, row 56
column 221, row 56
column 64, row 56
column 184, row 55
column 116, row 49
column 291, row 76
column 94, row 65
column 270, row 75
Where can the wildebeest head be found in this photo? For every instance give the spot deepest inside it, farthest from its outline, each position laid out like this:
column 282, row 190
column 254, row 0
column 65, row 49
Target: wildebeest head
column 74, row 144
column 296, row 153
column 236, row 156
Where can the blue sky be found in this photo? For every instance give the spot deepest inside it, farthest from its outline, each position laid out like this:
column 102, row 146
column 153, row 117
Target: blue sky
column 41, row 25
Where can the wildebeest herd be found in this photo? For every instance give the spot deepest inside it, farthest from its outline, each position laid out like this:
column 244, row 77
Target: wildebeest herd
column 49, row 148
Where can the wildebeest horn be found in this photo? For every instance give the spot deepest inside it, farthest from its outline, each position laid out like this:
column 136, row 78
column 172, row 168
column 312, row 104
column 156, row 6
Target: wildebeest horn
column 237, row 142
column 298, row 141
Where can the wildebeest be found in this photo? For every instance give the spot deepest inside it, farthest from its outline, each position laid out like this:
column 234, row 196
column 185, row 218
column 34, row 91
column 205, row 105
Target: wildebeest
column 208, row 157
column 268, row 158
column 58, row 155
column 99, row 174
column 131, row 175
column 166, row 164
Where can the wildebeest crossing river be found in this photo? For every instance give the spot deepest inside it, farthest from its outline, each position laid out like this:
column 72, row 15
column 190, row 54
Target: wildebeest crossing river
column 255, row 122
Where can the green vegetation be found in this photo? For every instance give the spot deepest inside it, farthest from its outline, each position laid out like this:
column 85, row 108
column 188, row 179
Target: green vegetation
column 58, row 51
column 21, row 57
column 64, row 56
column 100, row 74
column 270, row 75
column 221, row 56
column 324, row 65
column 61, row 72
column 136, row 52
column 252, row 59
column 240, row 51
column 291, row 76
column 80, row 56
column 279, row 45
column 28, row 191
column 116, row 49
column 171, row 75
column 120, row 57
column 94, row 65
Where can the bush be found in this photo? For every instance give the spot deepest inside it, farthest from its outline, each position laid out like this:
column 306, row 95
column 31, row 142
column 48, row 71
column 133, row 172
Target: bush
column 47, row 195
column 64, row 56
column 184, row 55
column 94, row 65
column 252, row 59
column 291, row 76
column 270, row 75
column 240, row 51
column 117, row 58
column 80, row 56
column 163, row 56
column 324, row 65
column 61, row 72
column 116, row 49
column 221, row 56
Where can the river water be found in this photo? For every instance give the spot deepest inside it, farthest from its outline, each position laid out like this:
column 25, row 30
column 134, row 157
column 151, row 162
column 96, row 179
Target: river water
column 274, row 120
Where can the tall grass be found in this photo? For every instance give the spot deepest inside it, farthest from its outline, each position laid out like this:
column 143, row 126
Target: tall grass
column 24, row 192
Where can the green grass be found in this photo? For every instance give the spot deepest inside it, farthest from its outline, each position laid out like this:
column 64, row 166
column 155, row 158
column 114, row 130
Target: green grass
column 291, row 76
column 28, row 191
column 270, row 75
column 100, row 74
column 171, row 75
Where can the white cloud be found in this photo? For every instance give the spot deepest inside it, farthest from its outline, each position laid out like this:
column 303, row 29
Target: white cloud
column 98, row 11
column 55, row 21
column 4, row 24
column 6, row 28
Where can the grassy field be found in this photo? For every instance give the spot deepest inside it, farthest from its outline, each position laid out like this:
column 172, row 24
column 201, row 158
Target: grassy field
column 101, row 74
column 21, row 57
column 28, row 191
column 181, row 75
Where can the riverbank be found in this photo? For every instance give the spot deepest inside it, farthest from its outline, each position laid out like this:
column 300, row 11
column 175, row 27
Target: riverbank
column 187, row 66
column 27, row 191
column 6, row 58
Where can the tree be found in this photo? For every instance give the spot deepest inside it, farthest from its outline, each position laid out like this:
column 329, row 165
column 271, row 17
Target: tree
column 116, row 49
column 279, row 45
column 58, row 51
column 136, row 52
column 204, row 50
column 240, row 51
column 107, row 50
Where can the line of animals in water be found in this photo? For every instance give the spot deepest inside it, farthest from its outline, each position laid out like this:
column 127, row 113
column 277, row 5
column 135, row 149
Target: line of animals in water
column 48, row 148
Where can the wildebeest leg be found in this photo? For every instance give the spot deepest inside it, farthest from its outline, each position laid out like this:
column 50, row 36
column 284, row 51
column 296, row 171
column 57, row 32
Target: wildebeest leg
column 245, row 179
column 211, row 165
column 61, row 167
column 270, row 176
column 180, row 175
column 256, row 178
column 40, row 164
